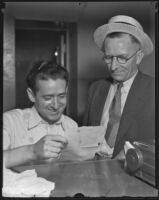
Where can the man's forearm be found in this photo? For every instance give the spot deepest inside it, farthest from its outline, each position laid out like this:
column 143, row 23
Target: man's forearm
column 18, row 156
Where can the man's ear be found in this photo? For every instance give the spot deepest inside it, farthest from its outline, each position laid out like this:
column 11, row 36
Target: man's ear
column 140, row 56
column 31, row 95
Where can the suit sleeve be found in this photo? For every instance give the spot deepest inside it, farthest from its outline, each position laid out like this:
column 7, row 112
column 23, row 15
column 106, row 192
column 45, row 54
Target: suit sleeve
column 91, row 92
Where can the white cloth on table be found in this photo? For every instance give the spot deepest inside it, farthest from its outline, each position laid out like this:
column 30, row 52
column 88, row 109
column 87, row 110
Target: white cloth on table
column 25, row 184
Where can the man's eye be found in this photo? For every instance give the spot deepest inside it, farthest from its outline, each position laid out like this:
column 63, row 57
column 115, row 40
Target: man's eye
column 108, row 57
column 47, row 98
column 62, row 95
column 121, row 58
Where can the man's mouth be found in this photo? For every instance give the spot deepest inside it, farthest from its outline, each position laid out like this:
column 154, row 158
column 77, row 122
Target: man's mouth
column 116, row 73
column 53, row 111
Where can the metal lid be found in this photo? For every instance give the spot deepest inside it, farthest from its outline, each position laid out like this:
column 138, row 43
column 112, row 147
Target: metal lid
column 134, row 159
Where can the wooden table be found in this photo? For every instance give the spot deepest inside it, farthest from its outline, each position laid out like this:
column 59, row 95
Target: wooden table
column 92, row 178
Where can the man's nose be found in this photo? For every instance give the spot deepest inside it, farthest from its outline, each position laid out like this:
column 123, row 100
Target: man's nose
column 54, row 102
column 114, row 64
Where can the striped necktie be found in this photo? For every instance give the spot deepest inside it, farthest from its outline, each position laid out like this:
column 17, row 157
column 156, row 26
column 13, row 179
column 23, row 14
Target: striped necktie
column 114, row 117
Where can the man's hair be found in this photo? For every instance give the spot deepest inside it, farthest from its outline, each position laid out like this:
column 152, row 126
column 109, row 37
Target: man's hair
column 120, row 34
column 43, row 71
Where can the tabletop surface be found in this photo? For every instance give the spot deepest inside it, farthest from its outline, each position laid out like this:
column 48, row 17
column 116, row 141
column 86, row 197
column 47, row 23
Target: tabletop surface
column 92, row 179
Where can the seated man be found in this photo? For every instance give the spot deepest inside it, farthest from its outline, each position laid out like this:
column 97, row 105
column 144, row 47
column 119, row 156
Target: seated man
column 37, row 133
column 124, row 103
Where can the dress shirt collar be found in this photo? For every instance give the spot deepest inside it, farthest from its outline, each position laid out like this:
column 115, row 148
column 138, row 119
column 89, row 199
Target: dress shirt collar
column 127, row 84
column 35, row 119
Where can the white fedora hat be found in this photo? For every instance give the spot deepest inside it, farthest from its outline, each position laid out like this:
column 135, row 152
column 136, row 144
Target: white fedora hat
column 125, row 24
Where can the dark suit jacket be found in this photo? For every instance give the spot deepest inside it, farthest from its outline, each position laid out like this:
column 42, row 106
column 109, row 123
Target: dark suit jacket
column 138, row 117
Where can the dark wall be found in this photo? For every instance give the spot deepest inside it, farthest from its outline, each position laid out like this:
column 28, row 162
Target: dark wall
column 31, row 46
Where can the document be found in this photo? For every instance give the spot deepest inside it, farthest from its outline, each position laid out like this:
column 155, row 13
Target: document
column 83, row 143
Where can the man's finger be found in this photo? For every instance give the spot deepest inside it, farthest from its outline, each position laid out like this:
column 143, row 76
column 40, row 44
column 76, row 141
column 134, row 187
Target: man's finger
column 57, row 138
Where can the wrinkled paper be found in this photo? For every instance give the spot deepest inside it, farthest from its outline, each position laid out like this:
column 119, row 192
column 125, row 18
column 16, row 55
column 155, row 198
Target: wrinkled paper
column 83, row 143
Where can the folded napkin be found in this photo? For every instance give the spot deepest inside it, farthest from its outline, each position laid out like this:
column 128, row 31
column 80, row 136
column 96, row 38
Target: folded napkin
column 25, row 184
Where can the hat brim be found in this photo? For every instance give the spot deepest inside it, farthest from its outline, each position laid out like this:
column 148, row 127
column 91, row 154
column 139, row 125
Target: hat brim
column 101, row 33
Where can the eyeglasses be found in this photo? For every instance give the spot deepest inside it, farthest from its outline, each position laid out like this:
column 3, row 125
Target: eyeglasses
column 121, row 59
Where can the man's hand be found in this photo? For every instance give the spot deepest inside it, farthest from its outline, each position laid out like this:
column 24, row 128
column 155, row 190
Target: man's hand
column 49, row 146
column 105, row 150
column 120, row 156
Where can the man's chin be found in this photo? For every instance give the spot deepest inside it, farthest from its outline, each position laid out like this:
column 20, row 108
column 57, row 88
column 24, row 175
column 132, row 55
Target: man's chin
column 117, row 78
column 54, row 119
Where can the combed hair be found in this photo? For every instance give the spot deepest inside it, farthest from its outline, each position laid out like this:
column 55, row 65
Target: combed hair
column 42, row 70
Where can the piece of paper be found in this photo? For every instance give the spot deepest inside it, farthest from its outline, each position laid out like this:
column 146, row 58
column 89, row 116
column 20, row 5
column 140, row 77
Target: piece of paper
column 91, row 136
column 83, row 143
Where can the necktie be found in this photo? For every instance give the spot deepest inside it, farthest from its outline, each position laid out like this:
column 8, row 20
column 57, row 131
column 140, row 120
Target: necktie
column 114, row 117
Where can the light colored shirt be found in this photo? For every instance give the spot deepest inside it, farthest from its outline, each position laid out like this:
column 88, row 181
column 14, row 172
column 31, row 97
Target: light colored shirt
column 24, row 127
column 124, row 93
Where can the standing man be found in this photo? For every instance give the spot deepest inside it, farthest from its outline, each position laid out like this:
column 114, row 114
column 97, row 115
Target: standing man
column 38, row 133
column 125, row 102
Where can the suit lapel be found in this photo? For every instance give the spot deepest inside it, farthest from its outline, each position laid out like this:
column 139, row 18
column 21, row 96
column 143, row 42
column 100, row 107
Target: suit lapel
column 132, row 106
